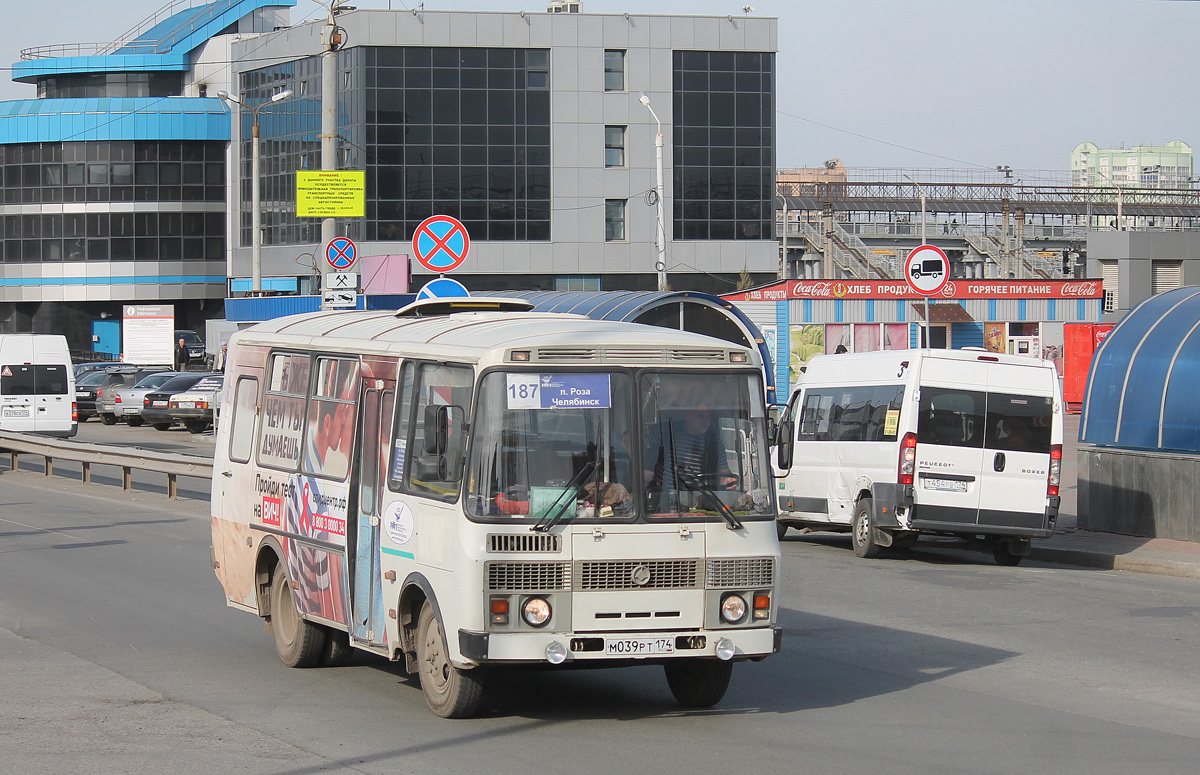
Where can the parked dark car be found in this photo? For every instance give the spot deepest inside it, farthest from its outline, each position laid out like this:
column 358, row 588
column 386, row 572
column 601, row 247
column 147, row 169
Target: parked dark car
column 85, row 393
column 106, row 392
column 156, row 408
column 83, row 368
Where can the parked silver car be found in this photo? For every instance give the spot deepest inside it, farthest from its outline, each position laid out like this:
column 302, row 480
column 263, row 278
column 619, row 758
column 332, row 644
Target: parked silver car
column 128, row 402
column 117, row 380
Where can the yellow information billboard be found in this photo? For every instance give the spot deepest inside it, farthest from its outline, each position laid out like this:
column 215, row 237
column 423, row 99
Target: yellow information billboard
column 331, row 193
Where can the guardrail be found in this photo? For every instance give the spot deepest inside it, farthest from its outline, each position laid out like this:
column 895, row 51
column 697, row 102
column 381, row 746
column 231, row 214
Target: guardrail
column 129, row 460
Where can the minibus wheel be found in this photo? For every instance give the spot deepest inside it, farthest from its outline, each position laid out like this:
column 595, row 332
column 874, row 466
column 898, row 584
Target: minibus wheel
column 298, row 641
column 450, row 692
column 1004, row 555
column 698, row 683
column 863, row 532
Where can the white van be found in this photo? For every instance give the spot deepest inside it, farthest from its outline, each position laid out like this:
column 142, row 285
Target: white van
column 899, row 444
column 37, row 385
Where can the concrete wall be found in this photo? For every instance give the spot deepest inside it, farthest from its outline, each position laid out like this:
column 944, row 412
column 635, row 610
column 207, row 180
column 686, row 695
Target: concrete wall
column 1153, row 494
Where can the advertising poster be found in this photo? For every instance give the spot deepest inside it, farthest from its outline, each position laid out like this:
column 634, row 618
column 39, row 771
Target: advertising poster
column 806, row 341
column 994, row 339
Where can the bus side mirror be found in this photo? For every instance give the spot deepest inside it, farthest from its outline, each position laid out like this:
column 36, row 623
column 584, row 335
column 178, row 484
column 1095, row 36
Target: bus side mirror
column 772, row 425
column 437, row 429
column 787, row 432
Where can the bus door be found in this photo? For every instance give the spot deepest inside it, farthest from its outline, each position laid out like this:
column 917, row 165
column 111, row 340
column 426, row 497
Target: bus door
column 376, row 403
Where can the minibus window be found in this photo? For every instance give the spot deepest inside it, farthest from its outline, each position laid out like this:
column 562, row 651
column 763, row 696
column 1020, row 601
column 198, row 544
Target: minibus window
column 241, row 436
column 17, row 380
column 50, row 380
column 950, row 417
column 1019, row 423
column 331, row 416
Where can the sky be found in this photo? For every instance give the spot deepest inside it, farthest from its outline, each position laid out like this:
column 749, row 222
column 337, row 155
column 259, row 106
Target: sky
column 917, row 84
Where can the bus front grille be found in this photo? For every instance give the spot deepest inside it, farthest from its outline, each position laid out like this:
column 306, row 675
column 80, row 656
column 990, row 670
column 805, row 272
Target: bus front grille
column 638, row 574
column 740, row 572
column 528, row 576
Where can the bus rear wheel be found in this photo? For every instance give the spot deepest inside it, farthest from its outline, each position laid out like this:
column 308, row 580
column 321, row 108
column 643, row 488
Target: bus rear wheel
column 698, row 683
column 862, row 532
column 450, row 692
column 299, row 642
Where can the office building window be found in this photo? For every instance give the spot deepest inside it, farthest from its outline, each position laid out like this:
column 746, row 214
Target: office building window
column 614, row 220
column 614, row 70
column 614, row 146
column 723, row 130
column 577, row 283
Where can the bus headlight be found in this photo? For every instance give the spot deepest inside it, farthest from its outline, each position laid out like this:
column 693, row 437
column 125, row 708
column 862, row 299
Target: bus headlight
column 733, row 608
column 536, row 612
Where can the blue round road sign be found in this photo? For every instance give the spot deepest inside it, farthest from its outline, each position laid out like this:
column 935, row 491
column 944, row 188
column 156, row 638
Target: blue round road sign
column 441, row 243
column 340, row 253
column 442, row 288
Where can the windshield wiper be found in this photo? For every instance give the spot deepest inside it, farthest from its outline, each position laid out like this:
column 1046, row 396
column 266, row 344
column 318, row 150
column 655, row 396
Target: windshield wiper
column 696, row 483
column 561, row 502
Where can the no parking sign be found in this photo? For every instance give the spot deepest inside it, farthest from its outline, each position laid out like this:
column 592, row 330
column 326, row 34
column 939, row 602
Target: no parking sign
column 441, row 243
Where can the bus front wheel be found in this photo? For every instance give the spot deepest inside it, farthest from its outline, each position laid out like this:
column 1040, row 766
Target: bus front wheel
column 698, row 683
column 299, row 642
column 450, row 692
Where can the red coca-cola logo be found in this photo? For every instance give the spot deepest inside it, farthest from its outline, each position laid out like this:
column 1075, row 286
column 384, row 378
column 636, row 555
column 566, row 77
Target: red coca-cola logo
column 815, row 289
column 1090, row 288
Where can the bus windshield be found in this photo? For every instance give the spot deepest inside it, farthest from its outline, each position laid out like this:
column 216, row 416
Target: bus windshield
column 584, row 446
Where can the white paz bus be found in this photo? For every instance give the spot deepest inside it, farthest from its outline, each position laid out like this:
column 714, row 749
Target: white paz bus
column 465, row 484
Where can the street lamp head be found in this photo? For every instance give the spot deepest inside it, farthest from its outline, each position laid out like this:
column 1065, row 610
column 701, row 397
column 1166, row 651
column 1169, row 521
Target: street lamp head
column 644, row 99
column 283, row 95
column 224, row 95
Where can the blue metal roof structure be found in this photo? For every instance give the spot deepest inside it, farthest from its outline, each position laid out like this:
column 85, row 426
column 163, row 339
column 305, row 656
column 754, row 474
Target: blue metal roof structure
column 166, row 46
column 1141, row 390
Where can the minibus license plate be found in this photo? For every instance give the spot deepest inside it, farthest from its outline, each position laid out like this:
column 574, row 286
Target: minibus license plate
column 636, row 647
column 20, row 411
column 946, row 485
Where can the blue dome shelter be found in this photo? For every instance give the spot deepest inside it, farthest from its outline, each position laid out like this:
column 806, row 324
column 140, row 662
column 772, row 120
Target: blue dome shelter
column 1145, row 378
column 1140, row 428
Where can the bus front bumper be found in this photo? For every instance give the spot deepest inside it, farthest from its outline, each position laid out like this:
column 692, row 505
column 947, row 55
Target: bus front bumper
column 617, row 647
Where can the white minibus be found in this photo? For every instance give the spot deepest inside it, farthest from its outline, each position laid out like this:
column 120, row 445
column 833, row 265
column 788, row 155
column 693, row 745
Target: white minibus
column 37, row 385
column 897, row 445
column 465, row 484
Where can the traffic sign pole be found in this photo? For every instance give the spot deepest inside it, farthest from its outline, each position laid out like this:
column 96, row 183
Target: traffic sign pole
column 926, row 270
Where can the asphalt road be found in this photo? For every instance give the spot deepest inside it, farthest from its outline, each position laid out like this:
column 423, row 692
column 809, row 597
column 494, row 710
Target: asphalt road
column 117, row 654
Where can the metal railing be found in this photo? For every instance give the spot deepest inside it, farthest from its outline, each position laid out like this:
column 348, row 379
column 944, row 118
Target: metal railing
column 129, row 43
column 128, row 460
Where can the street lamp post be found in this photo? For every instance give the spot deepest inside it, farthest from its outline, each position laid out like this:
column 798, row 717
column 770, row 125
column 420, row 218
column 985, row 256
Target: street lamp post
column 921, row 190
column 660, row 236
column 255, row 209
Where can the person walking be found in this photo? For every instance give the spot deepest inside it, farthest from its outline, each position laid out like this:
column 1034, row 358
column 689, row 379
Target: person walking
column 219, row 361
column 181, row 356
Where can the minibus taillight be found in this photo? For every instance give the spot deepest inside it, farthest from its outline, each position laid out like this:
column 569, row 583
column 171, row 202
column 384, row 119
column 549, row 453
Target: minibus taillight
column 1055, row 469
column 74, row 412
column 908, row 458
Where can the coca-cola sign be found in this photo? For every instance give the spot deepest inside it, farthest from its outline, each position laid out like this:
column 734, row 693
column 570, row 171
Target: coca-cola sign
column 898, row 289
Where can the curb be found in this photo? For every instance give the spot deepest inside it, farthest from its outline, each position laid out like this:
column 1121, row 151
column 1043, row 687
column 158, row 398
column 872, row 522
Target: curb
column 1105, row 561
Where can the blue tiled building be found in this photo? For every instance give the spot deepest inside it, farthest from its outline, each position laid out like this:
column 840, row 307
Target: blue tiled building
column 115, row 174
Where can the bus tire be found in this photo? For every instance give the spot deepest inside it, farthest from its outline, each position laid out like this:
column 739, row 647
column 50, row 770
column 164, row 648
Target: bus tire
column 698, row 683
column 862, row 532
column 298, row 641
column 337, row 652
column 450, row 692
